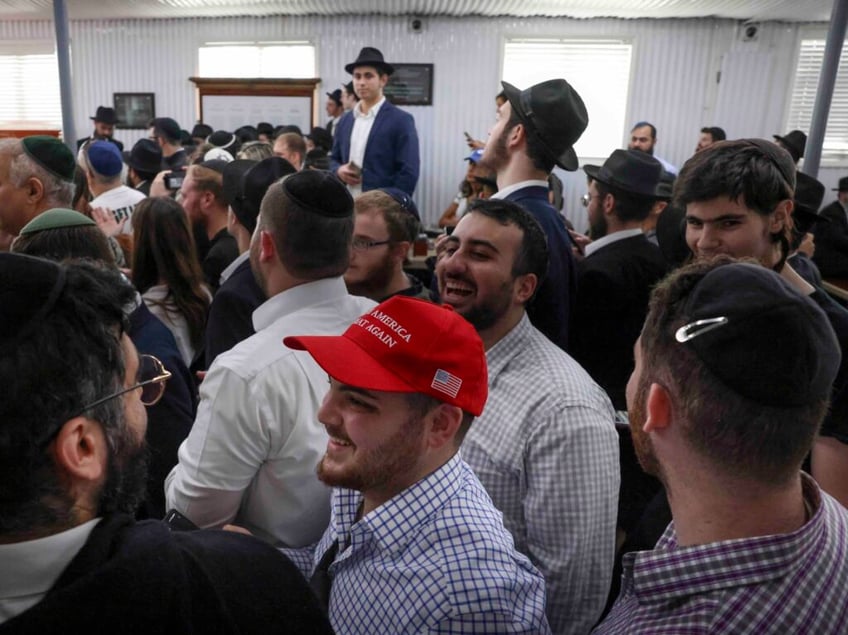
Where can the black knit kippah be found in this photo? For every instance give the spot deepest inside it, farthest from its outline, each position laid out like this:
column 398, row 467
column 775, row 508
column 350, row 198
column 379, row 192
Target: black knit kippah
column 51, row 154
column 319, row 192
column 29, row 289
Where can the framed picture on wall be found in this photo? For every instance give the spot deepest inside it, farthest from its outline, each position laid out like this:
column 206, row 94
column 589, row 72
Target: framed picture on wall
column 410, row 85
column 134, row 110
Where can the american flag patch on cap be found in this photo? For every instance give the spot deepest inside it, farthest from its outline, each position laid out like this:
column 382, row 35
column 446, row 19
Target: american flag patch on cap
column 444, row 382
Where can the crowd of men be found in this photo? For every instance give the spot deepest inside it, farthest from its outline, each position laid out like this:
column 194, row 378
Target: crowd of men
column 639, row 430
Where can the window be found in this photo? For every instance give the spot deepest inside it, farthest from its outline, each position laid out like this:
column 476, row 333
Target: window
column 257, row 59
column 582, row 63
column 29, row 76
column 802, row 99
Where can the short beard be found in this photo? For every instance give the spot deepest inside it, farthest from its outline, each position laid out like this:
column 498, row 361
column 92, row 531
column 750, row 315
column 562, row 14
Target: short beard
column 599, row 228
column 375, row 285
column 125, row 488
column 641, row 441
column 499, row 156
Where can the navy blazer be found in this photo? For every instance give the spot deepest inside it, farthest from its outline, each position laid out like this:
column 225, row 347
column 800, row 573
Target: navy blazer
column 391, row 154
column 170, row 420
column 231, row 315
column 551, row 308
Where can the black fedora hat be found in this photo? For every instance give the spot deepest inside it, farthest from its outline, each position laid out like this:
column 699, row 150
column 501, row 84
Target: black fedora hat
column 795, row 143
column 809, row 194
column 105, row 114
column 369, row 56
column 631, row 171
column 336, row 96
column 842, row 186
column 145, row 156
column 554, row 113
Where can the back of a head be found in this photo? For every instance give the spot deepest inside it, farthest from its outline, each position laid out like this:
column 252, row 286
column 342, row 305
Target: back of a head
column 748, row 364
column 167, row 129
column 163, row 247
column 51, row 236
column 60, row 350
column 310, row 216
column 294, row 142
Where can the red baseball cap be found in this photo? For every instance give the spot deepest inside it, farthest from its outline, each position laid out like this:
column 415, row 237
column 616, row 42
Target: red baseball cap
column 406, row 345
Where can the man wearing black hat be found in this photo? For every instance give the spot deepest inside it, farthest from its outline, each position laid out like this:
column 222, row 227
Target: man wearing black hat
column 104, row 127
column 831, row 255
column 43, row 178
column 662, row 197
column 809, row 193
column 386, row 223
column 335, row 110
column 72, row 460
column 251, row 455
column 794, row 142
column 733, row 374
column 229, row 321
column 536, row 129
column 145, row 162
column 619, row 268
column 375, row 144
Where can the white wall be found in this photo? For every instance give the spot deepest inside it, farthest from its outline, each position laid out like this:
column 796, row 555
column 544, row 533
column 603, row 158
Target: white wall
column 675, row 65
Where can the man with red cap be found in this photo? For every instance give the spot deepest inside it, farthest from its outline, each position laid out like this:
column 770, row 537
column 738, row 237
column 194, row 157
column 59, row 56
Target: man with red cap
column 414, row 542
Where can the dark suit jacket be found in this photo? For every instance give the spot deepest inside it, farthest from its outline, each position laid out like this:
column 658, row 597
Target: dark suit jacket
column 613, row 286
column 230, row 316
column 551, row 309
column 391, row 154
column 140, row 578
column 831, row 254
column 170, row 420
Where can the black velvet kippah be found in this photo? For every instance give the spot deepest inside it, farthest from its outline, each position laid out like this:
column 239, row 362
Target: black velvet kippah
column 29, row 289
column 319, row 192
column 51, row 154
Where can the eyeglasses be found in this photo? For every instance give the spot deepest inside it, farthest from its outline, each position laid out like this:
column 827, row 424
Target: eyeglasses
column 151, row 378
column 362, row 244
column 586, row 198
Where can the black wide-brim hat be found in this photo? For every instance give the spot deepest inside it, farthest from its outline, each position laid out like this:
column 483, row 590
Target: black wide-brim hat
column 145, row 156
column 795, row 142
column 369, row 56
column 105, row 114
column 555, row 114
column 631, row 171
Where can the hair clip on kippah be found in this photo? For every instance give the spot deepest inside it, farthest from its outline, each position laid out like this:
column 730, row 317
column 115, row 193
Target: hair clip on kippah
column 699, row 327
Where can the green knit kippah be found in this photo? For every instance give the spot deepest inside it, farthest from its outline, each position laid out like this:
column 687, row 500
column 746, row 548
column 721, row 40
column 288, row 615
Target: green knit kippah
column 54, row 219
column 51, row 154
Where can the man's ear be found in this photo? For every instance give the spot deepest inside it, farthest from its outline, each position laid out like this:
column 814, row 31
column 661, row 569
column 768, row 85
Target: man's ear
column 400, row 250
column 442, row 422
column 34, row 190
column 779, row 217
column 657, row 409
column 525, row 287
column 80, row 450
column 267, row 248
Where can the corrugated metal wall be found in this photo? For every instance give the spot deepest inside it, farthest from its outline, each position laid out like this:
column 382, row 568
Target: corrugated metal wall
column 675, row 65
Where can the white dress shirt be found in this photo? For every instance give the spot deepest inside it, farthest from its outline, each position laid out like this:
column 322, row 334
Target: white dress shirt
column 362, row 124
column 31, row 568
column 251, row 455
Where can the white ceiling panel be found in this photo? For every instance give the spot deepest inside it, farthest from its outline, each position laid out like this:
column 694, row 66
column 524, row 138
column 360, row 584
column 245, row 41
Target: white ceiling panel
column 760, row 10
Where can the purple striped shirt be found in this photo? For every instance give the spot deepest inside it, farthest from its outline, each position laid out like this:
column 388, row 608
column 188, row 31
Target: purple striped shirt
column 787, row 583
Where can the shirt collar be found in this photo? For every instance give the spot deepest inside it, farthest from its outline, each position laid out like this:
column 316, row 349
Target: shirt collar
column 670, row 571
column 391, row 524
column 297, row 298
column 226, row 273
column 609, row 239
column 32, row 567
column 357, row 111
column 509, row 189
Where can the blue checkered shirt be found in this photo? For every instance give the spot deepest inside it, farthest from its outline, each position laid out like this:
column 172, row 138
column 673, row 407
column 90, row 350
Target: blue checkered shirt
column 768, row 585
column 434, row 559
column 546, row 450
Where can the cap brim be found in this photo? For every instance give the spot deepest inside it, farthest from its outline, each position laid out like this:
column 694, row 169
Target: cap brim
column 346, row 362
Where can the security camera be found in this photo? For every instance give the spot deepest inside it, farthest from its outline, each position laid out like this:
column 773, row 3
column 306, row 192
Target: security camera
column 750, row 31
column 416, row 25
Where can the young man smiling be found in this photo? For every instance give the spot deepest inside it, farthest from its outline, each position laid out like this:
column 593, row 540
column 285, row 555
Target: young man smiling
column 375, row 144
column 738, row 197
column 414, row 543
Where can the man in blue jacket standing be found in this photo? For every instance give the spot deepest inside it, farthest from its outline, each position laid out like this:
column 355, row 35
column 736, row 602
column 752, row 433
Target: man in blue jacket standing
column 375, row 144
